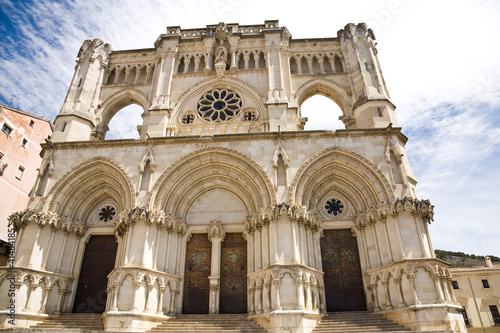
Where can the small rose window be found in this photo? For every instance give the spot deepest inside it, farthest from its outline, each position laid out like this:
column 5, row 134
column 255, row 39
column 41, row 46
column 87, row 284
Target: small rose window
column 107, row 213
column 219, row 105
column 334, row 207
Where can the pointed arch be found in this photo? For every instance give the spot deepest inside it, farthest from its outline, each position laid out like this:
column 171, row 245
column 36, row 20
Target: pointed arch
column 328, row 89
column 203, row 170
column 345, row 171
column 118, row 101
column 78, row 192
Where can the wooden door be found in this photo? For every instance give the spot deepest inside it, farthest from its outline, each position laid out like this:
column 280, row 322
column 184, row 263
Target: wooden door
column 233, row 275
column 197, row 271
column 342, row 271
column 98, row 262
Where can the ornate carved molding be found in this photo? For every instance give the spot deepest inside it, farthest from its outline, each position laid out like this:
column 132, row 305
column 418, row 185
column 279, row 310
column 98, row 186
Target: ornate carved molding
column 422, row 208
column 155, row 216
column 216, row 230
column 298, row 214
column 20, row 219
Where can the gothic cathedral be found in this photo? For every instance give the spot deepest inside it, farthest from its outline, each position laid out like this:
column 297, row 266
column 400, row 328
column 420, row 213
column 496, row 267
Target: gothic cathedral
column 225, row 204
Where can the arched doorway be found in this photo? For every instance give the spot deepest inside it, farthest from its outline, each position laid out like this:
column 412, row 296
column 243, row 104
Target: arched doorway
column 98, row 262
column 342, row 271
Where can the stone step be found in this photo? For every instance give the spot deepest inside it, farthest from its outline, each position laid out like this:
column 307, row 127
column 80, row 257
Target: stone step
column 83, row 321
column 357, row 321
column 225, row 323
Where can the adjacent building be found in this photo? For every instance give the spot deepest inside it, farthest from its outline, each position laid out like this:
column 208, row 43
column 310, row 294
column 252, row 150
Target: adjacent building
column 20, row 138
column 225, row 204
column 477, row 290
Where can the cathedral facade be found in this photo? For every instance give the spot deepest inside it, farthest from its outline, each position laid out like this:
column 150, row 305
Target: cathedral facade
column 225, row 204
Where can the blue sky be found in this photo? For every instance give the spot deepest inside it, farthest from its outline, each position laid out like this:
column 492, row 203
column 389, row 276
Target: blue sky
column 439, row 59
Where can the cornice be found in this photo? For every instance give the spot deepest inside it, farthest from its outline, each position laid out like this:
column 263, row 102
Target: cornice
column 238, row 137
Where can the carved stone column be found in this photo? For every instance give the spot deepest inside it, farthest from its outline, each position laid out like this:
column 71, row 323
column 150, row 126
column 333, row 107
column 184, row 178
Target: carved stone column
column 375, row 298
column 402, row 302
column 117, row 286
column 439, row 290
column 275, row 295
column 307, row 287
column 411, row 278
column 61, row 292
column 251, row 302
column 44, row 299
column 300, row 294
column 258, row 299
column 137, row 295
column 159, row 307
column 387, row 292
column 266, row 300
column 216, row 235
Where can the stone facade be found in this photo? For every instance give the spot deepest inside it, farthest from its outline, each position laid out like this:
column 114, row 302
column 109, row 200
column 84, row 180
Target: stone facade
column 477, row 290
column 222, row 151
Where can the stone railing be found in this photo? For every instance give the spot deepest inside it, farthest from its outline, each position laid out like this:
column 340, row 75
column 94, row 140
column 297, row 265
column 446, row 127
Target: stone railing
column 142, row 281
column 410, row 283
column 302, row 286
column 37, row 286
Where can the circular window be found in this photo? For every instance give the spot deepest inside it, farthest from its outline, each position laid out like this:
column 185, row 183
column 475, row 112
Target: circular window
column 107, row 213
column 334, row 207
column 188, row 118
column 250, row 115
column 219, row 105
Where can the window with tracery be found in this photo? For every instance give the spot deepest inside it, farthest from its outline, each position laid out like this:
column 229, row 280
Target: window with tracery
column 219, row 105
column 250, row 115
column 188, row 118
column 334, row 207
column 107, row 213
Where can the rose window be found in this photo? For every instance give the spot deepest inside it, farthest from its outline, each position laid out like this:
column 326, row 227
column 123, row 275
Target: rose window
column 107, row 214
column 219, row 105
column 334, row 207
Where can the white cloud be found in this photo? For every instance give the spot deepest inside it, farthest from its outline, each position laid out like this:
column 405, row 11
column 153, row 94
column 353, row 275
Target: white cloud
column 439, row 61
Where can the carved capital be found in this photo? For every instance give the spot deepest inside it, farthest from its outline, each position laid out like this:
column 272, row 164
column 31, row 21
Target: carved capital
column 216, row 230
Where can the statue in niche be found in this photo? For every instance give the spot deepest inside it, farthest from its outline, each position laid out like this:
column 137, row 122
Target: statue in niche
column 221, row 53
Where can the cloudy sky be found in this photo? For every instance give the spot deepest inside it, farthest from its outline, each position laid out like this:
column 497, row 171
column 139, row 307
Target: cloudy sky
column 439, row 59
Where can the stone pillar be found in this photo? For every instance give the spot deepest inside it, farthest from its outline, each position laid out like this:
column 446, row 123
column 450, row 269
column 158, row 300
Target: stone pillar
column 216, row 235
column 258, row 299
column 273, row 246
column 173, row 293
column 295, row 245
column 300, row 294
column 437, row 286
column 307, row 287
column 159, row 307
column 402, row 302
column 258, row 248
column 251, row 301
column 116, row 290
column 59, row 301
column 137, row 295
column 266, row 300
column 265, row 245
column 322, row 297
column 44, row 299
column 411, row 278
column 275, row 295
column 375, row 298
column 387, row 292
column 148, row 303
